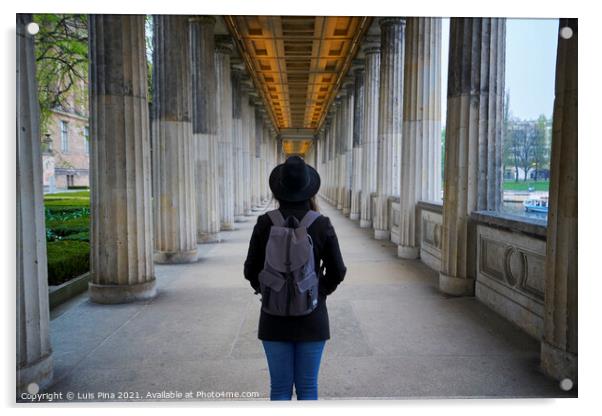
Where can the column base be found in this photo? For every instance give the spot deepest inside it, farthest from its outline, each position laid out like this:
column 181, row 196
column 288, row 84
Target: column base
column 249, row 213
column 557, row 363
column 39, row 373
column 339, row 206
column 240, row 218
column 456, row 286
column 208, row 238
column 346, row 212
column 365, row 223
column 112, row 294
column 354, row 216
column 227, row 227
column 382, row 234
column 176, row 257
column 408, row 252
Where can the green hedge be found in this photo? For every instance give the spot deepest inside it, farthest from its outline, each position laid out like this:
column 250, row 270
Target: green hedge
column 70, row 226
column 66, row 260
column 67, row 202
column 83, row 236
column 67, row 235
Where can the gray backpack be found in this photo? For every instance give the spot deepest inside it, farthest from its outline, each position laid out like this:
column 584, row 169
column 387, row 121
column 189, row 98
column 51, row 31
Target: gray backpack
column 288, row 281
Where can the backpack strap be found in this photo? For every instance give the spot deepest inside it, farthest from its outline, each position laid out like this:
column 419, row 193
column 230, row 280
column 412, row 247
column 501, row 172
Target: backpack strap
column 309, row 218
column 276, row 217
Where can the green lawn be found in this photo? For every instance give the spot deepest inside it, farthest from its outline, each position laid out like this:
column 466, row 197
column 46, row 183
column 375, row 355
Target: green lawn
column 67, row 235
column 524, row 186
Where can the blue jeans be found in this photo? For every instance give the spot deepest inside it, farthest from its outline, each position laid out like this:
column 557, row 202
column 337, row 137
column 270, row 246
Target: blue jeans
column 295, row 363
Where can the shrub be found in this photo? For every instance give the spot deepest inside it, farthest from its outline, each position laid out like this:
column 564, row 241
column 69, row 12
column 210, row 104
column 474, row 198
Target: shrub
column 83, row 236
column 66, row 260
column 63, row 228
column 64, row 213
column 67, row 202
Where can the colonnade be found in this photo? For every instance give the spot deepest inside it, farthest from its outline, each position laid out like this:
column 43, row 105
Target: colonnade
column 201, row 158
column 382, row 137
column 396, row 157
column 162, row 181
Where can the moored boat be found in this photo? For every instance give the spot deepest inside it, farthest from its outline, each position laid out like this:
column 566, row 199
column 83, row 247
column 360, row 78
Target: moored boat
column 539, row 204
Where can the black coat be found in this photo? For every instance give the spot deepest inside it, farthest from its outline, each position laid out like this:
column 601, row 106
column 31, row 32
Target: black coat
column 315, row 326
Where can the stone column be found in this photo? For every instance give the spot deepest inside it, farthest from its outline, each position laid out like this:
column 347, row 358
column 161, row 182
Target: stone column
column 173, row 154
column 348, row 144
column 34, row 353
column 326, row 161
column 121, row 236
column 252, row 150
column 237, row 131
column 421, row 147
column 327, row 128
column 370, row 132
column 267, row 159
column 204, row 128
column 261, row 159
column 264, row 160
column 340, row 148
column 559, row 344
column 279, row 154
column 246, row 151
column 389, row 121
column 257, row 159
column 324, row 166
column 473, row 142
column 223, row 50
column 358, row 121
column 332, row 157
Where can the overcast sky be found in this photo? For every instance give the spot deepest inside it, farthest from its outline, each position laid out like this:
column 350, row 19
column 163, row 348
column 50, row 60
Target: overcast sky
column 530, row 65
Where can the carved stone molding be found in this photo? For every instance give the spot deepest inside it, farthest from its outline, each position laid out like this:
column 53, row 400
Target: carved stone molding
column 510, row 276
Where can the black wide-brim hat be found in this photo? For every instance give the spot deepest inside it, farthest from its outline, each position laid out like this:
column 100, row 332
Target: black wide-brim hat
column 294, row 180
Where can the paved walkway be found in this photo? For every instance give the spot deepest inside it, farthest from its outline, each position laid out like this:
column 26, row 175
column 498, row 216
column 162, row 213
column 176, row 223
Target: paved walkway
column 393, row 334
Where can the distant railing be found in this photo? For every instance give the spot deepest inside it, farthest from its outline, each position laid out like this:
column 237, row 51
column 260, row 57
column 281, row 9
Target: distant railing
column 429, row 216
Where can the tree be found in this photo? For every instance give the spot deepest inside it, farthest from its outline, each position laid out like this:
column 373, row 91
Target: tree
column 148, row 29
column 541, row 150
column 509, row 141
column 61, row 48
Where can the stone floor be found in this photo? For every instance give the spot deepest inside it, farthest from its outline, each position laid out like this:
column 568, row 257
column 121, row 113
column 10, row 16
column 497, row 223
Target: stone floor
column 393, row 334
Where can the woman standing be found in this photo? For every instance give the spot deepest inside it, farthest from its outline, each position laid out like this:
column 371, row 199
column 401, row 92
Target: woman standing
column 293, row 344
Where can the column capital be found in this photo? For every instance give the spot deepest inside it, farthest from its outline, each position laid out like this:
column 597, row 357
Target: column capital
column 371, row 45
column 390, row 21
column 244, row 87
column 348, row 84
column 224, row 44
column 358, row 66
column 237, row 66
column 205, row 20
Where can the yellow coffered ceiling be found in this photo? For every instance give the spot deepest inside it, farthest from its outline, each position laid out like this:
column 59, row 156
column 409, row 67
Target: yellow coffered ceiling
column 296, row 146
column 297, row 62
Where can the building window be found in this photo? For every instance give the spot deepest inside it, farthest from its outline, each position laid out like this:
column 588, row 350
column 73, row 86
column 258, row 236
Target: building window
column 70, row 181
column 87, row 140
column 64, row 137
